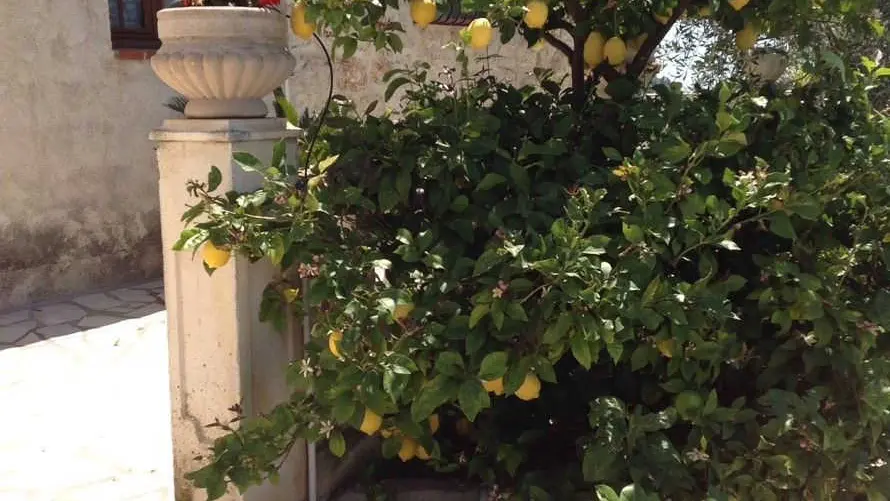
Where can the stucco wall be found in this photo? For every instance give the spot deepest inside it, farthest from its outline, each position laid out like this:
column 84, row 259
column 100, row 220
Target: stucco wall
column 78, row 186
column 78, row 183
column 360, row 77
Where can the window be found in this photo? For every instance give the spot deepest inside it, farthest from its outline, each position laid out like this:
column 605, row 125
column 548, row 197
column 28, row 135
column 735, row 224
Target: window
column 134, row 23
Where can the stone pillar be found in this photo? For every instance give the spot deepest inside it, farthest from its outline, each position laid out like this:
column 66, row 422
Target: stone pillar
column 220, row 353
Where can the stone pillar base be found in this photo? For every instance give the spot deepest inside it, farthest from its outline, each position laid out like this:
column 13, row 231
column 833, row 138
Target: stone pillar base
column 220, row 354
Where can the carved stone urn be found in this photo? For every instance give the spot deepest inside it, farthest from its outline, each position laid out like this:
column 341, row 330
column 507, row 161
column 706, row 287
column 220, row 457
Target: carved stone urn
column 224, row 60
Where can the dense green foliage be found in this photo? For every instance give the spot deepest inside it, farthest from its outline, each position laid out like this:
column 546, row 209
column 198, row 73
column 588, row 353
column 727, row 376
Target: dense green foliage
column 700, row 281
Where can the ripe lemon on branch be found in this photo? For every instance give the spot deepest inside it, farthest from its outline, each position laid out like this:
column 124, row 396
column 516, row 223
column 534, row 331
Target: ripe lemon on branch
column 535, row 14
column 334, row 343
column 479, row 31
column 408, row 450
column 738, row 4
column 495, row 386
column 423, row 12
column 530, row 389
column 298, row 22
column 371, row 422
column 213, row 256
column 593, row 49
column 615, row 51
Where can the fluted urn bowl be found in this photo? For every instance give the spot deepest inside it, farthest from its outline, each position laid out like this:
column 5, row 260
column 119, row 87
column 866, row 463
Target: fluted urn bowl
column 223, row 59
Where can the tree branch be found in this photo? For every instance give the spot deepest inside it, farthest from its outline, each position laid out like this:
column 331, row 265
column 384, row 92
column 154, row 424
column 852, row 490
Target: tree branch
column 558, row 44
column 605, row 70
column 573, row 7
column 638, row 65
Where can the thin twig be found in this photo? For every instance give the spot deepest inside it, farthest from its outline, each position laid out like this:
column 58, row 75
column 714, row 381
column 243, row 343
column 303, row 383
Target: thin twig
column 558, row 44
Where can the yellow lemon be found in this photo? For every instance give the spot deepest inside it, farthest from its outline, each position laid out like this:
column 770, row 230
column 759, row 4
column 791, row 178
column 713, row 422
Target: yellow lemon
column 615, row 51
column 370, row 422
column 298, row 22
column 421, row 453
column 402, row 311
column 495, row 386
column 535, row 14
column 746, row 38
column 334, row 339
column 593, row 49
column 666, row 347
column 213, row 256
column 423, row 12
column 705, row 11
column 738, row 4
column 434, row 423
column 480, row 33
column 463, row 427
column 664, row 17
column 530, row 389
column 408, row 449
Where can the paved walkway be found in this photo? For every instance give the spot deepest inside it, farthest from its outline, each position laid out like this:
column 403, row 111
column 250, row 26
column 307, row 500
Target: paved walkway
column 84, row 400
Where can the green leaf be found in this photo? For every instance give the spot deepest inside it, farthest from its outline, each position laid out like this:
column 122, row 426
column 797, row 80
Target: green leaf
column 497, row 313
column 214, row 178
column 450, row 363
column 834, row 62
column 487, row 261
column 516, row 311
column 460, row 203
column 190, row 238
column 612, row 154
column 780, row 224
column 394, row 86
column 290, row 112
column 435, row 393
column 729, row 245
column 621, row 89
column 640, row 357
column 327, row 163
column 247, row 162
column 725, row 93
column 337, row 444
column 472, row 398
column 581, row 350
column 677, row 152
column 490, row 181
column 606, row 493
column 596, row 464
column 558, row 330
column 725, row 120
column 478, row 314
column 615, row 351
column 632, row 232
column 520, row 178
column 344, row 408
column 493, row 366
column 653, row 291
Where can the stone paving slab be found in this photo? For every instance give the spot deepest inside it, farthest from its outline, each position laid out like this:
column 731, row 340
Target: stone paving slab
column 86, row 411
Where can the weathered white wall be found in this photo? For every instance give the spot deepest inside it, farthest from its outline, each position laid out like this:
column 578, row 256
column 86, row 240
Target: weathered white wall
column 78, row 183
column 360, row 77
column 78, row 186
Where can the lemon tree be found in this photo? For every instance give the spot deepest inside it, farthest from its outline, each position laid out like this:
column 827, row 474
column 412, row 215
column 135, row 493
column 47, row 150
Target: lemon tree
column 575, row 294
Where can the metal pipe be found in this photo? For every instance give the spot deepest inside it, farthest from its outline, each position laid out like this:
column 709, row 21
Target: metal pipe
column 312, row 464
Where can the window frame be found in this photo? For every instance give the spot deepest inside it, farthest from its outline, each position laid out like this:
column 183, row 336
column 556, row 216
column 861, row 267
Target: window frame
column 145, row 38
